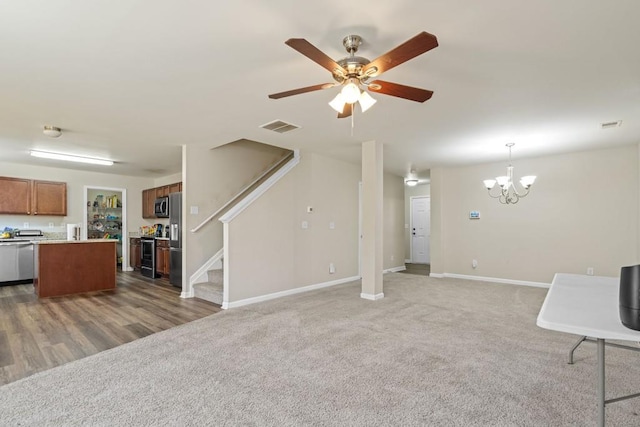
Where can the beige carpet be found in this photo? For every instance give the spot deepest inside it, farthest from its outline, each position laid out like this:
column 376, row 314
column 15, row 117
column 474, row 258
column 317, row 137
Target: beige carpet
column 432, row 352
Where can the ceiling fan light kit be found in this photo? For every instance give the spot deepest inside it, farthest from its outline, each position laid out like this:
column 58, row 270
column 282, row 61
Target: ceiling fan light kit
column 353, row 72
column 508, row 194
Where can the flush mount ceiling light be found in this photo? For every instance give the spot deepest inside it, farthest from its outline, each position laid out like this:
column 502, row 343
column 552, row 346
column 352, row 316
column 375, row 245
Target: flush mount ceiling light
column 411, row 182
column 508, row 193
column 70, row 158
column 52, row 131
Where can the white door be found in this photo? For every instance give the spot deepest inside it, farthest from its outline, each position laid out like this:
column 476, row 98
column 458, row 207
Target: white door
column 420, row 230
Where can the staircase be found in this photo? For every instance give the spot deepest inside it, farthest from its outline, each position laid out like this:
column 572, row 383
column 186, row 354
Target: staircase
column 211, row 290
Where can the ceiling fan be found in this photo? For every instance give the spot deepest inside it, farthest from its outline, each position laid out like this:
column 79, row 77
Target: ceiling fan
column 354, row 72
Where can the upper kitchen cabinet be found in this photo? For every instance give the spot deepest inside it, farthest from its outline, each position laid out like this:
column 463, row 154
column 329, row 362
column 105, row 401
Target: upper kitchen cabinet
column 16, row 196
column 49, row 198
column 150, row 195
column 175, row 188
column 30, row 197
column 148, row 199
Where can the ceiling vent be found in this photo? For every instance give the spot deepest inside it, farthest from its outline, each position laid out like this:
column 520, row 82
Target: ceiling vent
column 279, row 126
column 609, row 125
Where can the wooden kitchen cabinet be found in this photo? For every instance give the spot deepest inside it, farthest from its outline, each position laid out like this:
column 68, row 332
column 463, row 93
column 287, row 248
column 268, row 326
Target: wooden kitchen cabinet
column 175, row 188
column 162, row 191
column 16, row 196
column 148, row 203
column 162, row 257
column 49, row 198
column 32, row 197
column 134, row 253
column 150, row 195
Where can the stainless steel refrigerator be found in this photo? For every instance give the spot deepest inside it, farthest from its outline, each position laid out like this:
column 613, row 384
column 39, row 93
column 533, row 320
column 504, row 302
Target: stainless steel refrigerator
column 175, row 239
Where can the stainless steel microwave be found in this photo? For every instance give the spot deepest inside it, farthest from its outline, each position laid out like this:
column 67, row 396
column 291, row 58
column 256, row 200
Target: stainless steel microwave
column 162, row 207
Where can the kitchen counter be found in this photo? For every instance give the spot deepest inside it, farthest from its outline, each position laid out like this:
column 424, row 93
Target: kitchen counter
column 48, row 242
column 64, row 267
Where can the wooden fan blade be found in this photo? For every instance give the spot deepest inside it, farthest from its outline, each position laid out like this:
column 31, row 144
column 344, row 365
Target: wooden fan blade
column 315, row 54
column 348, row 110
column 302, row 90
column 418, row 45
column 401, row 91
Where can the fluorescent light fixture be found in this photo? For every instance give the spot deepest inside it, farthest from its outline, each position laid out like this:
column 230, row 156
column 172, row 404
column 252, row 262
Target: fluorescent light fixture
column 70, row 158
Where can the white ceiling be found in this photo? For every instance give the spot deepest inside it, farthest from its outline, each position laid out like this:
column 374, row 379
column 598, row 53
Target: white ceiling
column 133, row 80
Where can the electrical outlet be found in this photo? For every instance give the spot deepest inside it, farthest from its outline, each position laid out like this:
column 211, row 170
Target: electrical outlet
column 50, row 225
column 474, row 263
column 332, row 268
column 590, row 271
column 25, row 225
column 393, row 257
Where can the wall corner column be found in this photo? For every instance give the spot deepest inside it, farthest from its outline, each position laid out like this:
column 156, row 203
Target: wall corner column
column 372, row 221
column 437, row 226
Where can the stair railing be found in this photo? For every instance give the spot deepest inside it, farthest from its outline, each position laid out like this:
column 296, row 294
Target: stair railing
column 235, row 198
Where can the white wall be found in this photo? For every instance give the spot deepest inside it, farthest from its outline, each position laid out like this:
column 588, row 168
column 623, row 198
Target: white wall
column 270, row 252
column 211, row 177
column 582, row 212
column 393, row 222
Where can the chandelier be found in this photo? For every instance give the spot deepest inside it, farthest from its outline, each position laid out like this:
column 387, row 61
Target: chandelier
column 508, row 194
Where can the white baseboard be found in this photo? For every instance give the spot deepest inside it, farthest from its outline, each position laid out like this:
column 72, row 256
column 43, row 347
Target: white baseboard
column 185, row 294
column 247, row 301
column 491, row 279
column 372, row 297
column 395, row 269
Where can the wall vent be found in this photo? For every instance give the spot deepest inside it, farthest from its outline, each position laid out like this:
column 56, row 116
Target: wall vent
column 279, row 126
column 609, row 125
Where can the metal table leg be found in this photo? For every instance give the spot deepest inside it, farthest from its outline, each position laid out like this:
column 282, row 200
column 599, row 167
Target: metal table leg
column 574, row 349
column 601, row 382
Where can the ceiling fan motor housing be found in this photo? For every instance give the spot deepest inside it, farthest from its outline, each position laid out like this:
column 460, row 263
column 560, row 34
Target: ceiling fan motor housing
column 352, row 64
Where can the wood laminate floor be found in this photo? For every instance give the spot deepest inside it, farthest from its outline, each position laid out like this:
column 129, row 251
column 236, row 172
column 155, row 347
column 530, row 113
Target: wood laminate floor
column 420, row 269
column 39, row 334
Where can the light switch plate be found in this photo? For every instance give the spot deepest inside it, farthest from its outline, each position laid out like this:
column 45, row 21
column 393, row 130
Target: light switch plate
column 305, row 225
column 332, row 225
column 194, row 210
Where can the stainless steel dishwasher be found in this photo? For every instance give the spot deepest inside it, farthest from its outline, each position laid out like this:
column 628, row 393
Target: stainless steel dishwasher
column 16, row 260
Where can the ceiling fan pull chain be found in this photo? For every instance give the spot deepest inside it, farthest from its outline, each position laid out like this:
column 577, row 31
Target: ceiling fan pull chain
column 352, row 119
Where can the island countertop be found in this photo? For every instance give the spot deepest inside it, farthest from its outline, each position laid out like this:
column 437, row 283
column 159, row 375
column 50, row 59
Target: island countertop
column 48, row 242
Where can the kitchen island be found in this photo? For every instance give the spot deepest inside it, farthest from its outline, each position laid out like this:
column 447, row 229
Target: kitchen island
column 64, row 267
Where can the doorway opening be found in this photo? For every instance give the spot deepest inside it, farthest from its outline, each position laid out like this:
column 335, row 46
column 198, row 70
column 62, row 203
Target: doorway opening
column 106, row 218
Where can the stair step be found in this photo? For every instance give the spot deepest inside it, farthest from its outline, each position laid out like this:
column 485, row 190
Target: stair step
column 215, row 276
column 209, row 291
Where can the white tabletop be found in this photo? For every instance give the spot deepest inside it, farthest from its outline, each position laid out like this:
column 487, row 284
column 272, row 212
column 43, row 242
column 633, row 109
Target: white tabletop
column 585, row 305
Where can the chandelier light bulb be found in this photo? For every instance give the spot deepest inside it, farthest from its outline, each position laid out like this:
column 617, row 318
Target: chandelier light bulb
column 366, row 101
column 338, row 103
column 489, row 183
column 350, row 92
